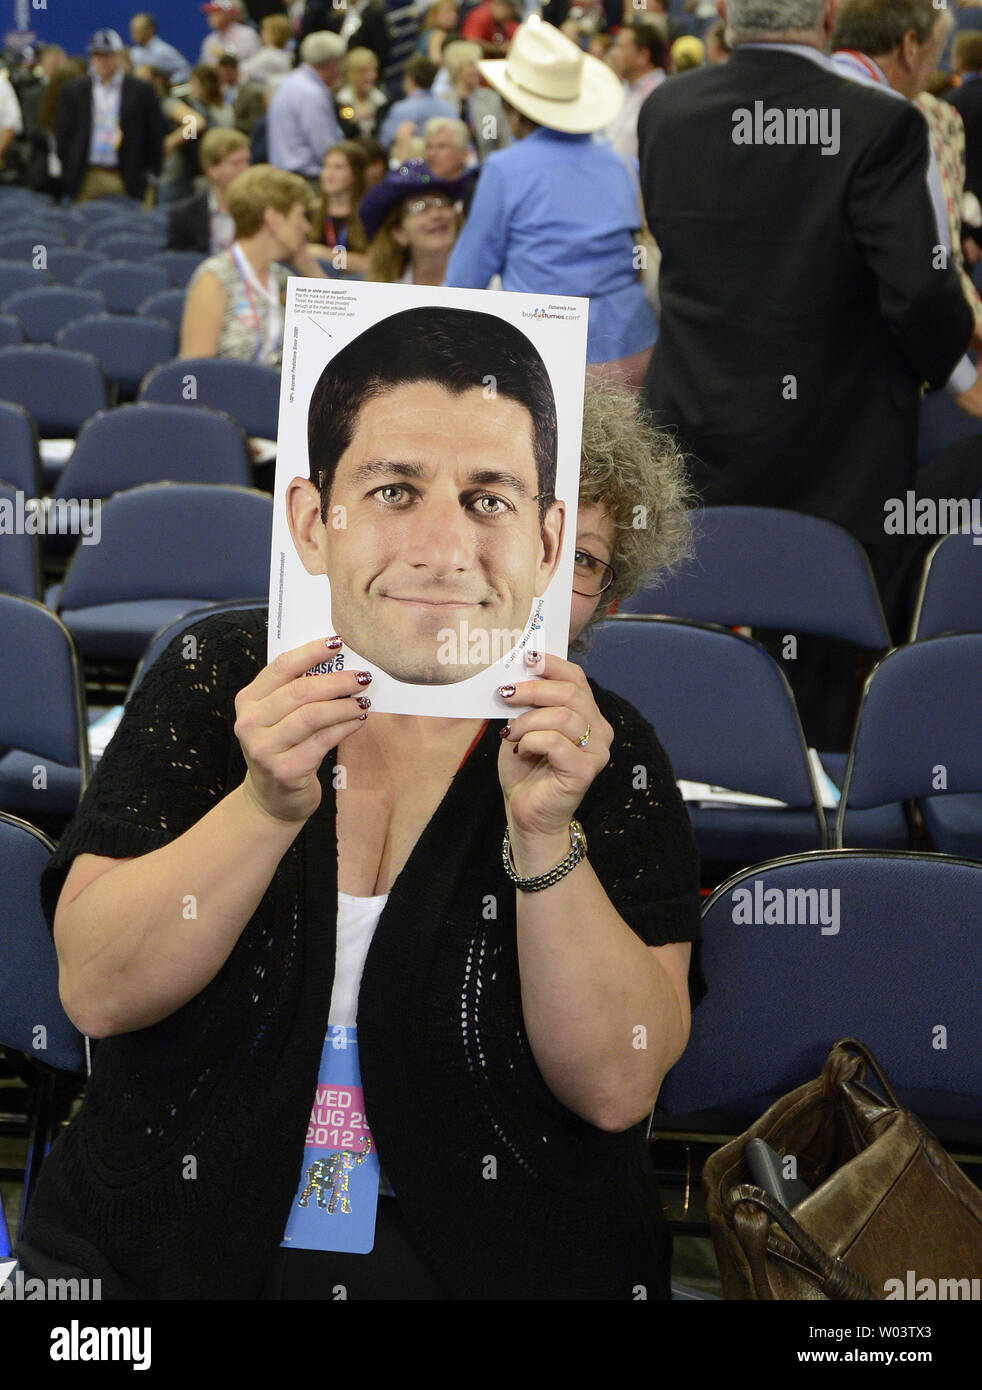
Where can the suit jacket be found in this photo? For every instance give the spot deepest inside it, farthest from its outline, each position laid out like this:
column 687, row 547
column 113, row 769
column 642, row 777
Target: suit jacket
column 801, row 310
column 141, row 123
column 189, row 225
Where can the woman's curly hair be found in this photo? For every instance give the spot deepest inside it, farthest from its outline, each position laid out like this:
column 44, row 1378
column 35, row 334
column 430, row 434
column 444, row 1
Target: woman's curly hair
column 638, row 473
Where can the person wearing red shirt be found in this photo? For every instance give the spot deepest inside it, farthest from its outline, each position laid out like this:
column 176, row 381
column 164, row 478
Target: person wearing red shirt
column 491, row 25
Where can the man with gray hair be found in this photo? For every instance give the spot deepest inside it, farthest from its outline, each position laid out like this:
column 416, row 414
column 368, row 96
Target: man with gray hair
column 302, row 123
column 804, row 305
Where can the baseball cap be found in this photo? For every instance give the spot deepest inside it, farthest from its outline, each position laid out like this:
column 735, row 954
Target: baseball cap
column 106, row 41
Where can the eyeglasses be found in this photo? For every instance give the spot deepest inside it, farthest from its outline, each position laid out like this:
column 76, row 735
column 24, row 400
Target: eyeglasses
column 590, row 575
column 435, row 200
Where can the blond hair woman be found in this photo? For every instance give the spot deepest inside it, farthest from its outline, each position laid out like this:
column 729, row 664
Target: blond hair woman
column 234, row 304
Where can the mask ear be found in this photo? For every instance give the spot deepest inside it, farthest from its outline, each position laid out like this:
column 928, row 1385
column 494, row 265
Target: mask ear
column 303, row 506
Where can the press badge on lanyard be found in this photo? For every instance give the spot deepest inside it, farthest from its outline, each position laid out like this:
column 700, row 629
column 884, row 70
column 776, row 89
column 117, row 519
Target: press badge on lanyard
column 337, row 1197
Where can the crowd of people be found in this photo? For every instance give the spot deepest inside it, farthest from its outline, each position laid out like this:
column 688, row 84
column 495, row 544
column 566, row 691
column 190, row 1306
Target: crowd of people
column 778, row 288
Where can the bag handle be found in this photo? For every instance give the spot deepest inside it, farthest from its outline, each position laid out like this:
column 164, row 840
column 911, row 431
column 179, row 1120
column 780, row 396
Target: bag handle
column 833, row 1075
column 836, row 1278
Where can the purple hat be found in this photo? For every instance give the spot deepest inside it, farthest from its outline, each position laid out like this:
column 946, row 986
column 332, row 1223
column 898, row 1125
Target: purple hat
column 400, row 184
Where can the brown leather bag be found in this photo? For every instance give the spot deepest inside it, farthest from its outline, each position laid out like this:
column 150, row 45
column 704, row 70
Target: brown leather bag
column 887, row 1203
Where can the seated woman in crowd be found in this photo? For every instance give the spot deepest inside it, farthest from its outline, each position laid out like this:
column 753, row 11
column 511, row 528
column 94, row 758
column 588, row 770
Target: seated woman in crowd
column 557, row 213
column 335, row 220
column 360, row 101
column 234, row 304
column 497, row 1025
column 411, row 220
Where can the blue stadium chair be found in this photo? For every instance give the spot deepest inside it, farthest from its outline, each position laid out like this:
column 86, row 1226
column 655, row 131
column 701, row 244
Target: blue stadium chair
column 29, row 995
column 46, row 310
column 168, row 304
column 247, row 391
column 124, row 284
column 20, row 560
column 17, row 275
column 158, row 558
column 127, row 247
column 22, row 244
column 47, row 231
column 42, row 714
column 100, row 210
column 142, row 443
column 920, row 720
column 770, row 568
column 781, row 995
column 950, row 597
column 20, row 457
column 11, row 330
column 67, row 220
column 67, row 263
column 126, row 347
column 61, row 389
column 724, row 713
column 179, row 265
column 161, row 640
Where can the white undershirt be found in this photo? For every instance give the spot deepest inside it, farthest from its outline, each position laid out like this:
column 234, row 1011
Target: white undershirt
column 357, row 920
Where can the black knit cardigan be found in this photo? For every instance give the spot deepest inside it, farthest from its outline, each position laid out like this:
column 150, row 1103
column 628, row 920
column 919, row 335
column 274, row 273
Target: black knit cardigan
column 177, row 1175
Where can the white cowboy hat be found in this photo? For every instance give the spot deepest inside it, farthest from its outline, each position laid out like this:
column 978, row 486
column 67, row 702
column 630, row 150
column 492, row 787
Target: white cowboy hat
column 553, row 82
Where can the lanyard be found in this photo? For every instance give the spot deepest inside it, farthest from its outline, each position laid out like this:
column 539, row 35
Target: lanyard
column 248, row 278
column 860, row 60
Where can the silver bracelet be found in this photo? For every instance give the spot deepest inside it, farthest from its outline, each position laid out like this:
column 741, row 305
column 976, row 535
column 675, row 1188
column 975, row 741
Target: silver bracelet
column 577, row 840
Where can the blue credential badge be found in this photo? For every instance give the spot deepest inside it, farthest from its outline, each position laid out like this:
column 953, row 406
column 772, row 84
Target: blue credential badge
column 337, row 1198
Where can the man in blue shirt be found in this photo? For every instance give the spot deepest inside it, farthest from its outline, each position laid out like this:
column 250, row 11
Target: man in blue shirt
column 302, row 124
column 149, row 50
column 557, row 212
column 419, row 104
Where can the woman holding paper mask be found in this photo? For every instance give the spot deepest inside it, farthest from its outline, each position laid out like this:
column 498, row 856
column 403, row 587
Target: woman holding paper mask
column 223, row 857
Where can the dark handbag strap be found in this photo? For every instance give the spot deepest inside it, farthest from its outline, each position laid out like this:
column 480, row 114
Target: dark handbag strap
column 746, row 1204
column 860, row 1049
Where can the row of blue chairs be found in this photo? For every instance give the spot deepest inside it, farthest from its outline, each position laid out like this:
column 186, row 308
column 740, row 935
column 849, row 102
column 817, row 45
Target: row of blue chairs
column 62, row 388
column 67, row 265
column 764, row 567
column 725, row 714
column 157, row 560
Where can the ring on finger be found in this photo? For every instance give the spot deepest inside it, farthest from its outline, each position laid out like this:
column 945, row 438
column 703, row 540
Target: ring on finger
column 582, row 742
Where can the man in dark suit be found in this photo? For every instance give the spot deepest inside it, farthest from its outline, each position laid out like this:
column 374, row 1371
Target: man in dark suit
column 361, row 23
column 203, row 222
column 803, row 303
column 108, row 127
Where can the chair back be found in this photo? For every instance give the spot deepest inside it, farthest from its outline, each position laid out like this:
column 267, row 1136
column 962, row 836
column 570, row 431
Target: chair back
column 248, row 391
column 770, row 568
column 950, row 597
column 174, row 540
column 719, row 704
column 815, row 947
column 32, row 1019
